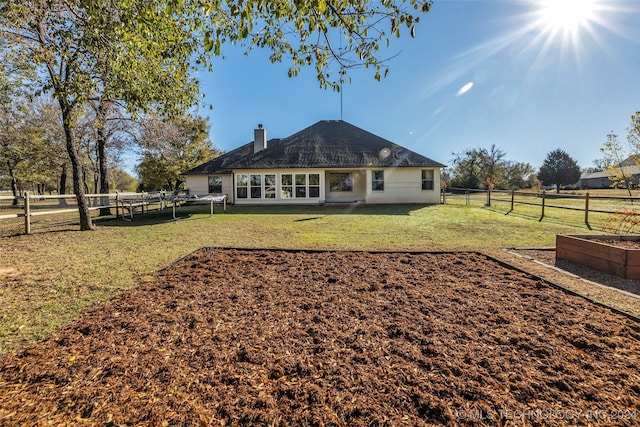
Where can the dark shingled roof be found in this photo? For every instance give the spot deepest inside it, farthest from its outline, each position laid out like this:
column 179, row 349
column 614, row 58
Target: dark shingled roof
column 326, row 144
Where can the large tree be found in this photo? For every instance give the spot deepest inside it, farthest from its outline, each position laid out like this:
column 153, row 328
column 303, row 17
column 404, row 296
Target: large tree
column 479, row 168
column 30, row 143
column 519, row 175
column 559, row 169
column 105, row 50
column 140, row 52
column 104, row 127
column 171, row 147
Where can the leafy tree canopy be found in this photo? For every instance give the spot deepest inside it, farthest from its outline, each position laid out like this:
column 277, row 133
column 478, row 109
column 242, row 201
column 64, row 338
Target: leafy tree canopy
column 170, row 148
column 488, row 168
column 344, row 33
column 559, row 168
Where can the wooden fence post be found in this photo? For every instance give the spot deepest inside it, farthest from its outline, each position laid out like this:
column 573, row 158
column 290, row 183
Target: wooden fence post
column 467, row 197
column 586, row 210
column 543, row 199
column 513, row 193
column 27, row 213
column 489, row 197
column 118, row 205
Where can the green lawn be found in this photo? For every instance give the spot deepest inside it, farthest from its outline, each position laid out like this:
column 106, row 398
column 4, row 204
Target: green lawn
column 49, row 278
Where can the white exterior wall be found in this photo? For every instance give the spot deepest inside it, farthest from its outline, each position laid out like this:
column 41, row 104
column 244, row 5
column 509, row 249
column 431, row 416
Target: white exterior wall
column 199, row 185
column 401, row 185
column 404, row 185
column 278, row 199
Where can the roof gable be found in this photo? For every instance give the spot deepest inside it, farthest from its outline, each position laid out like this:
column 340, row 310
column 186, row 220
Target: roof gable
column 326, row 144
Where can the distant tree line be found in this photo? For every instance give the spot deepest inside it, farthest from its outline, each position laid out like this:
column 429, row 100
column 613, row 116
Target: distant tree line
column 33, row 155
column 483, row 168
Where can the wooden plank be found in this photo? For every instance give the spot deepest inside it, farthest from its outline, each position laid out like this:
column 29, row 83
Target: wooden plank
column 633, row 257
column 589, row 249
column 596, row 263
column 632, row 272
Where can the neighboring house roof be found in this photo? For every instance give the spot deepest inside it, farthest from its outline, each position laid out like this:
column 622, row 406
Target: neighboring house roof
column 326, row 144
column 628, row 171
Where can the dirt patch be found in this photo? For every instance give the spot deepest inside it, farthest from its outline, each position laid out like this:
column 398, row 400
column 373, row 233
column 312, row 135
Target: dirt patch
column 238, row 337
column 7, row 271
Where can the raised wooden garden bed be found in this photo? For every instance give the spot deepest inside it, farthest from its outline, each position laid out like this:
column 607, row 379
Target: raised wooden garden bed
column 610, row 254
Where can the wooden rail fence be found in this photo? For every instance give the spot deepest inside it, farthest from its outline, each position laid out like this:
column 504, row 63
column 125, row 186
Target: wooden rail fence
column 121, row 202
column 586, row 203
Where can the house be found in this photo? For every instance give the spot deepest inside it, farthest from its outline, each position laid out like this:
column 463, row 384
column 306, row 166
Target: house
column 605, row 179
column 331, row 161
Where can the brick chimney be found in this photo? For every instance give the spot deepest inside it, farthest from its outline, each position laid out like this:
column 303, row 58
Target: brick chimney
column 259, row 139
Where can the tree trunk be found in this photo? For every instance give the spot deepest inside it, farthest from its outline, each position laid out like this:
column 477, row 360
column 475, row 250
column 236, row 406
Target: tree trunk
column 84, row 181
column 62, row 188
column 76, row 168
column 101, row 119
column 14, row 186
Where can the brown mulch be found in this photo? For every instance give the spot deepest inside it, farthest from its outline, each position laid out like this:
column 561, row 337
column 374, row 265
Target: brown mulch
column 241, row 337
column 627, row 244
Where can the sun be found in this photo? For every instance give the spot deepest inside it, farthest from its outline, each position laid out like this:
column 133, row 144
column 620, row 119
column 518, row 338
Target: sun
column 567, row 16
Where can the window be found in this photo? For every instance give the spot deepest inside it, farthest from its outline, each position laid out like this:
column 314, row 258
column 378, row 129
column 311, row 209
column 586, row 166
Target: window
column 314, row 185
column 215, row 184
column 270, row 186
column 427, row 179
column 286, row 189
column 241, row 186
column 301, row 185
column 377, row 181
column 340, row 182
column 256, row 186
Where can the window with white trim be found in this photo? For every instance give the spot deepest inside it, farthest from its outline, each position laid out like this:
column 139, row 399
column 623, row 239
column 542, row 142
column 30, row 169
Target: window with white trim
column 256, row 186
column 286, row 187
column 314, row 185
column 377, row 181
column 259, row 186
column 242, row 183
column 427, row 179
column 270, row 186
column 301, row 185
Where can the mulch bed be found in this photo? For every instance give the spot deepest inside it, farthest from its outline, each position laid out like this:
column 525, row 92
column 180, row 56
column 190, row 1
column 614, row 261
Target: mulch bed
column 626, row 244
column 260, row 337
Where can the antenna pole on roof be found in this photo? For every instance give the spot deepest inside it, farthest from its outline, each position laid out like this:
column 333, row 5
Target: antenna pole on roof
column 340, row 88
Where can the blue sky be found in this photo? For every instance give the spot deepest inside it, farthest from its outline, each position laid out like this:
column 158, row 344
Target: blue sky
column 514, row 73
